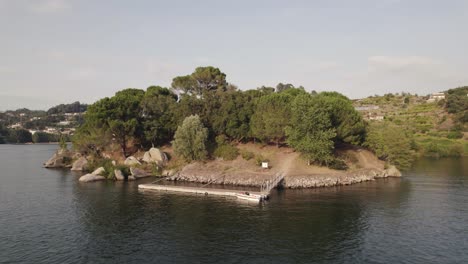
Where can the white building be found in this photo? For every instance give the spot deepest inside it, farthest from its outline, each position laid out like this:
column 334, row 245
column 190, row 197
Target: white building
column 436, row 97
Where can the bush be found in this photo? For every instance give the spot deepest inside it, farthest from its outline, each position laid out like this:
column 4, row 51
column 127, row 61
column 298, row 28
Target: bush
column 247, row 155
column 227, row 152
column 259, row 159
column 101, row 162
column 455, row 151
column 455, row 134
column 123, row 168
column 338, row 164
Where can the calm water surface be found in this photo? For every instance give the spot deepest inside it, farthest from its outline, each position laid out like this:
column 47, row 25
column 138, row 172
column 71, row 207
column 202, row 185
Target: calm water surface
column 47, row 216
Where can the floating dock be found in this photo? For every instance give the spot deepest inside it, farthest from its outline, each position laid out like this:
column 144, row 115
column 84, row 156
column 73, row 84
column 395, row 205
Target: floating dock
column 196, row 190
column 263, row 194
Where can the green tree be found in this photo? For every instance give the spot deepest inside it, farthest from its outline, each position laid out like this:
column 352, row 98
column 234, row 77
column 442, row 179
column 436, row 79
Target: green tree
column 272, row 115
column 159, row 119
column 4, row 134
column 190, row 139
column 391, row 143
column 311, row 131
column 20, row 136
column 203, row 79
column 118, row 117
column 349, row 125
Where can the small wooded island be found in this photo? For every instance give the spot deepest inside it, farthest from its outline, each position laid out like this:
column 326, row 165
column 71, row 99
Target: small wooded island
column 204, row 129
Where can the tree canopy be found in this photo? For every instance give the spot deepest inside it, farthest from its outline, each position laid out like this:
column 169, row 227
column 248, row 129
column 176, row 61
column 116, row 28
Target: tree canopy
column 203, row 106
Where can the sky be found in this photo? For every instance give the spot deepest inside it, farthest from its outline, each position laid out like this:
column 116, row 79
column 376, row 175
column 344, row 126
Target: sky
column 61, row 51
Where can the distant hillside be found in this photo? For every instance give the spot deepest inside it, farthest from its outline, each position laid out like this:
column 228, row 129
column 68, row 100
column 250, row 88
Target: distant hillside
column 437, row 123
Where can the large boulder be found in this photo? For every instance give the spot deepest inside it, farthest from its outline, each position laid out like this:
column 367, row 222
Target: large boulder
column 131, row 161
column 98, row 171
column 80, row 164
column 392, row 171
column 119, row 175
column 61, row 159
column 139, row 173
column 154, row 155
column 91, row 177
column 131, row 178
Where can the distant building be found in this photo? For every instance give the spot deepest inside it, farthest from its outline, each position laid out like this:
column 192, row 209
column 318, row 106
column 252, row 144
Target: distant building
column 436, row 97
column 17, row 125
column 63, row 123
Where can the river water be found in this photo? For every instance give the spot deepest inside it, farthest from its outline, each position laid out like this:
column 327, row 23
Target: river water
column 47, row 216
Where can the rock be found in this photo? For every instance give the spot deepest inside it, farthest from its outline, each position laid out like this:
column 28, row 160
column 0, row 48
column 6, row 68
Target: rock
column 61, row 159
column 91, row 177
column 154, row 155
column 168, row 173
column 98, row 171
column 114, row 163
column 392, row 171
column 80, row 164
column 118, row 175
column 130, row 161
column 139, row 173
column 131, row 178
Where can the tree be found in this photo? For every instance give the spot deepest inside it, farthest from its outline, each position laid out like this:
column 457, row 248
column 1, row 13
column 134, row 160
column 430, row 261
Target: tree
column 190, row 139
column 4, row 134
column 280, row 87
column 20, row 136
column 311, row 131
column 391, row 143
column 272, row 115
column 349, row 125
column 203, row 79
column 159, row 120
column 234, row 114
column 118, row 117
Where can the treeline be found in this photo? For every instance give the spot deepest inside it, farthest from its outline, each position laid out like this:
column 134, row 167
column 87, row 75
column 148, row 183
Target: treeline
column 312, row 123
column 75, row 107
column 21, row 136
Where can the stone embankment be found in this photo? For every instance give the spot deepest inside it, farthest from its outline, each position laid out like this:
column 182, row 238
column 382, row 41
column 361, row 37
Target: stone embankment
column 346, row 178
column 195, row 173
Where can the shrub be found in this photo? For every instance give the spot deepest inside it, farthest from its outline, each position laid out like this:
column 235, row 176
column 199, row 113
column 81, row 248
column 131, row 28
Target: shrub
column 455, row 134
column 247, row 155
column 227, row 152
column 123, row 168
column 95, row 163
column 455, row 151
column 338, row 164
column 67, row 160
column 259, row 159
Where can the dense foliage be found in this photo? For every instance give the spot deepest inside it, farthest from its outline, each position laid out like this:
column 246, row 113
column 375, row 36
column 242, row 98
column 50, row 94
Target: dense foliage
column 203, row 106
column 457, row 103
column 75, row 107
column 390, row 143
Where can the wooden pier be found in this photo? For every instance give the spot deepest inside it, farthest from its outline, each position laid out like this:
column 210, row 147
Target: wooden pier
column 264, row 192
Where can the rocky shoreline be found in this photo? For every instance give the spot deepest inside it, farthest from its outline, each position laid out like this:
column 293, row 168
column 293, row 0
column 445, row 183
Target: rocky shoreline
column 238, row 173
column 192, row 173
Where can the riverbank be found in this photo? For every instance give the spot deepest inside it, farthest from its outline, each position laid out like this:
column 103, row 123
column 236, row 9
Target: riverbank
column 363, row 166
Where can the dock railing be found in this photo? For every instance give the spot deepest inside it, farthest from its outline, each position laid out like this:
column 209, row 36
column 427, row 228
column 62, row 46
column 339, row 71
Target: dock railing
column 268, row 185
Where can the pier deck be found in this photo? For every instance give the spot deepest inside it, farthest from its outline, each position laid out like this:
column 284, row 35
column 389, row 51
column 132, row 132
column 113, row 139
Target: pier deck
column 196, row 190
column 265, row 188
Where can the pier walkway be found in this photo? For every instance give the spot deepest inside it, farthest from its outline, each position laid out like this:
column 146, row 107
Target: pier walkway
column 264, row 192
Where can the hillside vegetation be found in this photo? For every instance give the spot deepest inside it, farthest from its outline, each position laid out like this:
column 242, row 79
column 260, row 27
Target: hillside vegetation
column 431, row 128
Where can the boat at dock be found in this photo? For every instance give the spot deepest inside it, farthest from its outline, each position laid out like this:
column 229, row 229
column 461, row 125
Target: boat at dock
column 250, row 197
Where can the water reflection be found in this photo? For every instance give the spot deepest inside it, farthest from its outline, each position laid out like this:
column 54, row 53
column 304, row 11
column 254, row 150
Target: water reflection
column 51, row 217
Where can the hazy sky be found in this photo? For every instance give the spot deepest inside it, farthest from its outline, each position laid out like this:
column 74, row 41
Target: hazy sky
column 60, row 51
